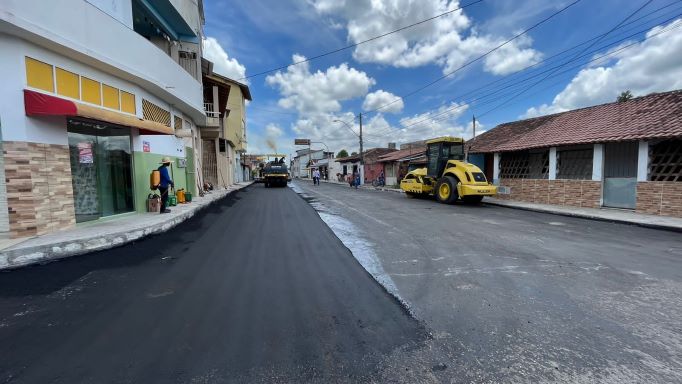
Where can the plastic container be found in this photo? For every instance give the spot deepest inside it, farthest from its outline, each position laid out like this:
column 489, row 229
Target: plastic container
column 172, row 201
column 188, row 196
column 180, row 195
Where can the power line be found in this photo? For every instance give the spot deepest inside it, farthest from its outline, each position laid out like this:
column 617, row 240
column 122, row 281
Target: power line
column 361, row 42
column 568, row 62
column 515, row 83
column 478, row 58
column 431, row 117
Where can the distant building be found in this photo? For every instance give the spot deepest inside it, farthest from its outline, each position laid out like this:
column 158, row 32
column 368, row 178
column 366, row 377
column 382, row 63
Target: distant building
column 621, row 155
column 371, row 168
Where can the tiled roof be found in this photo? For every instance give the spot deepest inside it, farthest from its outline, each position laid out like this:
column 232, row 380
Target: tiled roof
column 402, row 154
column 367, row 153
column 658, row 115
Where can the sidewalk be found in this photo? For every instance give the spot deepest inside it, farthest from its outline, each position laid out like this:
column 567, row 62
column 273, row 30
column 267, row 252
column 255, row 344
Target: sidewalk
column 603, row 214
column 102, row 234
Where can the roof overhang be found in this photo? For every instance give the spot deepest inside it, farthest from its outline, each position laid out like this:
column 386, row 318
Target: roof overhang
column 40, row 104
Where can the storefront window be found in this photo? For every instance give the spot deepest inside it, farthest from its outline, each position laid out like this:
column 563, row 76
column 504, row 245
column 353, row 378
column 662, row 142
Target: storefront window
column 101, row 169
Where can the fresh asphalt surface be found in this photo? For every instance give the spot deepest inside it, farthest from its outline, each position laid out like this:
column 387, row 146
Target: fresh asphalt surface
column 520, row 297
column 254, row 289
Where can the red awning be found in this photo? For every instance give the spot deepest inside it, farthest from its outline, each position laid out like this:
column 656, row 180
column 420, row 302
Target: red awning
column 40, row 104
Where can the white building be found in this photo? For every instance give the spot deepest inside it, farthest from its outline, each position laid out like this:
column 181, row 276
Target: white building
column 94, row 94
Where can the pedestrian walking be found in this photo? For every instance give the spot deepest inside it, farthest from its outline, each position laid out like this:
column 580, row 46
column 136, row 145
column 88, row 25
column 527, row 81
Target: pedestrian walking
column 357, row 180
column 166, row 183
column 316, row 177
column 351, row 179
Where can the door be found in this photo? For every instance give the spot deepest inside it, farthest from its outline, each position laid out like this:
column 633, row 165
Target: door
column 101, row 169
column 210, row 163
column 620, row 175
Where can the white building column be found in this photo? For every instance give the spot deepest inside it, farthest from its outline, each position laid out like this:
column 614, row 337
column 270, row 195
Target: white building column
column 496, row 168
column 643, row 161
column 552, row 163
column 597, row 162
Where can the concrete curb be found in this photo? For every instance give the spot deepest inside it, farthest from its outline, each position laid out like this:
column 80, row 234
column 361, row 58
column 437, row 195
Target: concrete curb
column 580, row 215
column 19, row 256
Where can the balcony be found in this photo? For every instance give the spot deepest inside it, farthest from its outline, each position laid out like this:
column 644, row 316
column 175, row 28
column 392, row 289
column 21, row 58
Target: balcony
column 212, row 116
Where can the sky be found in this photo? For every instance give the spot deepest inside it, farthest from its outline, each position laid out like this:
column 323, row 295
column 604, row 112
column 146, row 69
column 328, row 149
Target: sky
column 430, row 80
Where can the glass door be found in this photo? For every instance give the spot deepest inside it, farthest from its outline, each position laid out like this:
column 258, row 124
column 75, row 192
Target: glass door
column 101, row 169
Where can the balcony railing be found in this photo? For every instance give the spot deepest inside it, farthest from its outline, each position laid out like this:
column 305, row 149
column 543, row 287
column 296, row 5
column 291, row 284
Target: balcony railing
column 212, row 116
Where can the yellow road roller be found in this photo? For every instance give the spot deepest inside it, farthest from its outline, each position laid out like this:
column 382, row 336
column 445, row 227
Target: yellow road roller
column 447, row 175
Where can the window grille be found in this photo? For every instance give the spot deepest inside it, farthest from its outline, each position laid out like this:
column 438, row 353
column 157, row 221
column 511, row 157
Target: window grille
column 514, row 165
column 574, row 164
column 665, row 161
column 525, row 165
column 153, row 112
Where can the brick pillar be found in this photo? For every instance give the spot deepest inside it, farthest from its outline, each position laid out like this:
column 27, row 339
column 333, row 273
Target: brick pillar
column 39, row 189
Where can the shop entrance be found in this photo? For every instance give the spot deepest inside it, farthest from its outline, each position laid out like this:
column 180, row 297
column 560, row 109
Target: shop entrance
column 101, row 169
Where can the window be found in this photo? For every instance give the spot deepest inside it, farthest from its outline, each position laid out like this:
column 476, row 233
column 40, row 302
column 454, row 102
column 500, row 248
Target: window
column 128, row 103
column 91, row 91
column 665, row 161
column 110, row 97
column 574, row 163
column 39, row 75
column 525, row 165
column 67, row 84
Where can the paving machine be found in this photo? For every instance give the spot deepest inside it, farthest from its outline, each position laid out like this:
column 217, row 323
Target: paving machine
column 447, row 175
column 275, row 173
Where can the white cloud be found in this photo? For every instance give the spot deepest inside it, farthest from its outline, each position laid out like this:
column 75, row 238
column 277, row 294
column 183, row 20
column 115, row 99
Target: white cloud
column 435, row 123
column 319, row 92
column 382, row 98
column 222, row 63
column 448, row 41
column 654, row 65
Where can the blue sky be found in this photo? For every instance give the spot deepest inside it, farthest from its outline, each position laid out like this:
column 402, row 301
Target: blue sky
column 251, row 36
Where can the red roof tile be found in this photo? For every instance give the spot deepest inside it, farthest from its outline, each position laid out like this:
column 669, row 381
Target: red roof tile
column 658, row 115
column 403, row 153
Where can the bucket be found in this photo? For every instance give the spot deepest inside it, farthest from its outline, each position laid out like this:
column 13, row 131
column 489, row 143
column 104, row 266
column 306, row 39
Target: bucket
column 172, row 201
column 188, row 196
column 180, row 195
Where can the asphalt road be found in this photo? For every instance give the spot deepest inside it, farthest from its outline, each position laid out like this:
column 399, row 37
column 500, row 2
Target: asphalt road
column 520, row 297
column 255, row 289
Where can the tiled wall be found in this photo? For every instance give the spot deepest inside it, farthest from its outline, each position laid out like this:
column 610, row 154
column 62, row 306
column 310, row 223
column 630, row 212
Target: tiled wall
column 39, row 190
column 4, row 218
column 576, row 193
column 660, row 198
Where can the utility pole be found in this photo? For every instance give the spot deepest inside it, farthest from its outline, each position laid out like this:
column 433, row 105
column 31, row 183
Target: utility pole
column 474, row 125
column 362, row 156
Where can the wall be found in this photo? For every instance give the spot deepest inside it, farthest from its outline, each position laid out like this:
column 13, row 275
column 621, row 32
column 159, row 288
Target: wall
column 234, row 130
column 372, row 171
column 101, row 41
column 576, row 193
column 4, row 217
column 121, row 10
column 39, row 190
column 659, row 198
column 144, row 164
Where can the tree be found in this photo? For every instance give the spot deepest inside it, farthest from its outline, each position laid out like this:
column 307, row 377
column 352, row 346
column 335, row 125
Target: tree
column 342, row 153
column 624, row 96
column 354, row 153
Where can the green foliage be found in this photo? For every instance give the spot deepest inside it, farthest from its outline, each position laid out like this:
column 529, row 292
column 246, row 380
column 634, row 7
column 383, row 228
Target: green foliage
column 342, row 153
column 354, row 153
column 624, row 96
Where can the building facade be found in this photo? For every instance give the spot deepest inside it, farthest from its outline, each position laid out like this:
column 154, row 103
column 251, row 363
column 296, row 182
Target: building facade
column 223, row 131
column 89, row 108
column 625, row 155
